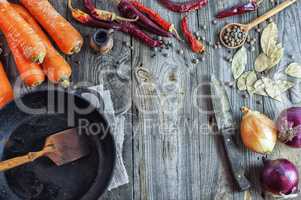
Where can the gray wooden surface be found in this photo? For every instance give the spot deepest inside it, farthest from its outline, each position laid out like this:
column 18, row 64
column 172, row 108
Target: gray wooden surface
column 172, row 151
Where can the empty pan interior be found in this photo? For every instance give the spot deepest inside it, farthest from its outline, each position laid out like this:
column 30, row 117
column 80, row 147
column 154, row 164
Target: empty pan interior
column 84, row 179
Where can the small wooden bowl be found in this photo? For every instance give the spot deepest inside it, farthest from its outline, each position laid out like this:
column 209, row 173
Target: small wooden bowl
column 244, row 29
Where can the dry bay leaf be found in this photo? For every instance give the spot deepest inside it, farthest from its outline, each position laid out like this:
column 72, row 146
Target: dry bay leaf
column 260, row 88
column 269, row 38
column 251, row 79
column 241, row 82
column 294, row 70
column 284, row 85
column 239, row 62
column 263, row 63
column 276, row 55
column 271, row 89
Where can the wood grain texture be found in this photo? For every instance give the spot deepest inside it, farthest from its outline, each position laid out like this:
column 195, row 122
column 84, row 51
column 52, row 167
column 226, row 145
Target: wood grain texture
column 172, row 150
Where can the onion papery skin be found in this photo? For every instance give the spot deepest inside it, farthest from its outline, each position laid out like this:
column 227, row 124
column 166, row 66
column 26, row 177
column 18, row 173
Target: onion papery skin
column 288, row 121
column 280, row 177
column 258, row 132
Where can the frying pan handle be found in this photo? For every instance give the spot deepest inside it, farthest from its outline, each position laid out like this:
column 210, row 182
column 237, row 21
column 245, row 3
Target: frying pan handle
column 80, row 91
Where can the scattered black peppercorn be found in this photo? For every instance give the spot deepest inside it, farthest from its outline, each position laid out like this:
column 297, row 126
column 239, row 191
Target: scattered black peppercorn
column 210, row 43
column 153, row 55
column 180, row 51
column 291, row 56
column 230, row 60
column 195, row 61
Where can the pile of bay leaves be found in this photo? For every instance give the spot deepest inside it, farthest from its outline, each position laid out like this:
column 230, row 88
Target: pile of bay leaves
column 254, row 81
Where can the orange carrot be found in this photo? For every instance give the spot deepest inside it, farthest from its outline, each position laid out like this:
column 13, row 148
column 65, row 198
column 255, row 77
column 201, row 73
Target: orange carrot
column 29, row 43
column 31, row 73
column 6, row 90
column 55, row 66
column 67, row 38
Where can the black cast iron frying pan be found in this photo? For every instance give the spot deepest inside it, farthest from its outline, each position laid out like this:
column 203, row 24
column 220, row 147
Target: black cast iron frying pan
column 22, row 131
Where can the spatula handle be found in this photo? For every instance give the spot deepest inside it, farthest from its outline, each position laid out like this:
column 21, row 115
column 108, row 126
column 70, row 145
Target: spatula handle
column 18, row 161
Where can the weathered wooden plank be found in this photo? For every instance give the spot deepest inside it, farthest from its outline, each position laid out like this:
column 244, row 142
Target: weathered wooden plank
column 94, row 69
column 120, row 88
column 90, row 69
column 216, row 63
column 162, row 143
column 208, row 143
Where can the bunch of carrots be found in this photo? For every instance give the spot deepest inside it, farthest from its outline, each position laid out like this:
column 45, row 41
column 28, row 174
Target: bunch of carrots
column 34, row 55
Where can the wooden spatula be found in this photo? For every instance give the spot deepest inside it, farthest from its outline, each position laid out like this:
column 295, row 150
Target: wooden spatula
column 62, row 148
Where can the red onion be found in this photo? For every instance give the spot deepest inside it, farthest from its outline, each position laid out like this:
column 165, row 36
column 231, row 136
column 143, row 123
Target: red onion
column 289, row 126
column 280, row 178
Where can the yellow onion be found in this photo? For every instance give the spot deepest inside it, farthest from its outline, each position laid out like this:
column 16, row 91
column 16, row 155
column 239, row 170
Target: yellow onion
column 258, row 132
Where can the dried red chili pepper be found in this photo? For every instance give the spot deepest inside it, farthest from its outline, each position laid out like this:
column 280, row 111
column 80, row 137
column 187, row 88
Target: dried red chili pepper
column 133, row 30
column 239, row 9
column 182, row 7
column 123, row 26
column 87, row 19
column 153, row 15
column 103, row 14
column 128, row 10
column 194, row 43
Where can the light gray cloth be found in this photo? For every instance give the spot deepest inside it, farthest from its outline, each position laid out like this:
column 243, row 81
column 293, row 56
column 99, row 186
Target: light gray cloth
column 117, row 125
